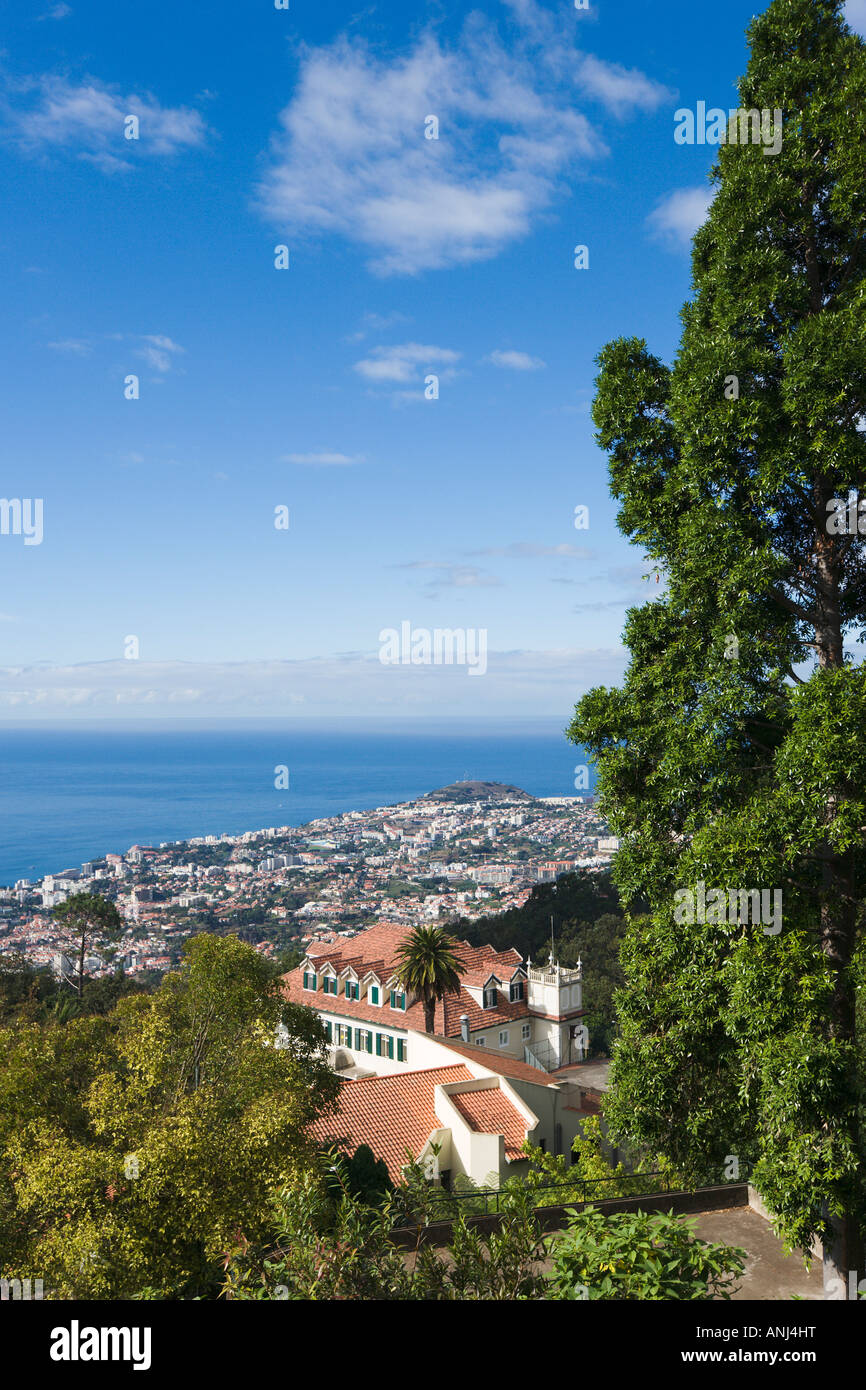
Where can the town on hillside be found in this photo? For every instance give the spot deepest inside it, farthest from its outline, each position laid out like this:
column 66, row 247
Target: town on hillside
column 468, row 850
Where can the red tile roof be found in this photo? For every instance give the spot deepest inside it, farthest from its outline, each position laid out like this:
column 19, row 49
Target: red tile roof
column 377, row 948
column 500, row 1063
column 389, row 1113
column 491, row 1112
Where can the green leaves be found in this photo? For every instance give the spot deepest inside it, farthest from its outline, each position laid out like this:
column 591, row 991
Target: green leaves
column 428, row 967
column 735, row 752
column 136, row 1149
column 639, row 1255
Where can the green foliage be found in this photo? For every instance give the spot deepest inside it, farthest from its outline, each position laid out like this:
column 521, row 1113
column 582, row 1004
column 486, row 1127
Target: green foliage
column 346, row 1251
column 92, row 921
column 139, row 1146
column 589, row 924
column 639, row 1255
column 428, row 967
column 33, row 994
column 745, row 766
column 591, row 1175
column 364, row 1176
column 288, row 959
column 332, row 1245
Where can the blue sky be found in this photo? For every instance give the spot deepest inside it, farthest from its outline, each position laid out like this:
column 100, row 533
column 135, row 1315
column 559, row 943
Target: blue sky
column 305, row 387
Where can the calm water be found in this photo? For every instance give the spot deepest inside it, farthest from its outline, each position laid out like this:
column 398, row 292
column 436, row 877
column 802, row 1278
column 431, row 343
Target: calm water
column 76, row 793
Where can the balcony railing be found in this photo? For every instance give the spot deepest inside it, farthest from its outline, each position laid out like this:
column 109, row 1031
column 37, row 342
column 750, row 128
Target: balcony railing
column 554, row 975
column 485, row 1201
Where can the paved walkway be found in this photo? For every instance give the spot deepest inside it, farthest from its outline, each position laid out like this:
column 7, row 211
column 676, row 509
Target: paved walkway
column 770, row 1274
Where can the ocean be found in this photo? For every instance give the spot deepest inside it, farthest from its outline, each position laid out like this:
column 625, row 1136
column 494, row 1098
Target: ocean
column 73, row 793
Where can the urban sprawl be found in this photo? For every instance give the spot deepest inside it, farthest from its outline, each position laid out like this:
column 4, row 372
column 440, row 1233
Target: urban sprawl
column 467, row 851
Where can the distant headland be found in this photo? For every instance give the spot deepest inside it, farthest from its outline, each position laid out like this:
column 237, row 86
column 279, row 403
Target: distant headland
column 478, row 791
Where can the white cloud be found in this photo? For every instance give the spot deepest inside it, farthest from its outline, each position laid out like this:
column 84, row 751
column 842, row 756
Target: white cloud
column 157, row 350
column 622, row 91
column 323, row 459
column 678, row 216
column 515, row 361
column 527, row 550
column 405, row 362
column 855, row 14
column 52, row 113
column 351, row 157
column 76, row 347
column 56, row 12
column 454, row 576
column 376, row 323
column 519, row 682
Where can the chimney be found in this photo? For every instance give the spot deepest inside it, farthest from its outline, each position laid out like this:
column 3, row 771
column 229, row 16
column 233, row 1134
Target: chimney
column 464, row 1027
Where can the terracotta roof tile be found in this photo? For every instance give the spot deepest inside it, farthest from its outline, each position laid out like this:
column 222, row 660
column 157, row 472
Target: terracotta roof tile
column 389, row 1113
column 500, row 1063
column 490, row 1111
column 377, row 947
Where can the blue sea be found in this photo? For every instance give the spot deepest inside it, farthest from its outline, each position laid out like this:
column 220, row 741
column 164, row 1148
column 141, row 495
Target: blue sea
column 73, row 793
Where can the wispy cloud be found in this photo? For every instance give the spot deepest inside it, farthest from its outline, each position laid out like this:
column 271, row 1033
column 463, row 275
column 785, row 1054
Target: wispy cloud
column 56, row 12
column 350, row 157
column 51, row 113
column 349, row 683
column 677, row 217
column 622, row 91
column 405, row 362
column 324, row 459
column 526, row 550
column 454, row 576
column 157, row 351
column 376, row 323
column 515, row 361
column 75, row 347
column 613, row 605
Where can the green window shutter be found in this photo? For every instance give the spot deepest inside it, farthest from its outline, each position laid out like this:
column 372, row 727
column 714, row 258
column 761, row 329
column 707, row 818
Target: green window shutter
column 369, row 1041
column 391, row 1048
column 358, row 1039
column 306, row 979
column 374, row 994
column 401, row 1050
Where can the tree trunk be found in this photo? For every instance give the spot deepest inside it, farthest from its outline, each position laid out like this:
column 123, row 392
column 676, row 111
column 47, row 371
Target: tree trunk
column 843, row 1257
column 429, row 1015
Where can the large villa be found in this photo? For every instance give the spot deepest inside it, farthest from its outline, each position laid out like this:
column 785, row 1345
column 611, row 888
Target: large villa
column 498, row 1069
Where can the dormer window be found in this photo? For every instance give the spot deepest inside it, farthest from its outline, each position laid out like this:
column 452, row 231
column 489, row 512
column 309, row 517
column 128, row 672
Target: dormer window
column 491, row 996
column 352, row 989
column 515, row 993
column 329, row 984
column 310, row 980
column 374, row 994
column 398, row 999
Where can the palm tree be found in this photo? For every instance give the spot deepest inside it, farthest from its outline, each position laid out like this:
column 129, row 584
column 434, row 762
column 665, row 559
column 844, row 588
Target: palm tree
column 427, row 966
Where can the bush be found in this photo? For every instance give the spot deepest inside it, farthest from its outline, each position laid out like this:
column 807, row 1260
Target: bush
column 639, row 1255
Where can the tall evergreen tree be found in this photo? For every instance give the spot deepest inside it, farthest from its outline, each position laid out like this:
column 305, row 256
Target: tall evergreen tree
column 734, row 755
